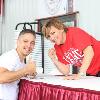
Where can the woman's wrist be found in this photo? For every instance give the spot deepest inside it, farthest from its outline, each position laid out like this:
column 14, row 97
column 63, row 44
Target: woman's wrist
column 53, row 58
column 82, row 74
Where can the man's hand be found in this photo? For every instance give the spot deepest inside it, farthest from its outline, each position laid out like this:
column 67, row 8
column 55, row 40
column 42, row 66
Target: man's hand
column 30, row 67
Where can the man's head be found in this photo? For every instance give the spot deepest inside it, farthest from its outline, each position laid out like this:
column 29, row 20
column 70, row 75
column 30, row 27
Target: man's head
column 54, row 30
column 25, row 42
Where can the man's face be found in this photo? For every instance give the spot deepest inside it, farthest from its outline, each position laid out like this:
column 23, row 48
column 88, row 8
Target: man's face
column 25, row 44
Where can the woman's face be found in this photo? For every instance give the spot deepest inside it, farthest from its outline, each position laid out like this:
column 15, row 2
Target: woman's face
column 56, row 36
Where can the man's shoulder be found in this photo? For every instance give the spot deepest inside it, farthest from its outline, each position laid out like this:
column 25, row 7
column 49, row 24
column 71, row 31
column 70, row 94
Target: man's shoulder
column 8, row 54
column 9, row 59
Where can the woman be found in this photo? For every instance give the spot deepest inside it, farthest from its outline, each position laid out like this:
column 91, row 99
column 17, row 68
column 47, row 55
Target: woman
column 72, row 46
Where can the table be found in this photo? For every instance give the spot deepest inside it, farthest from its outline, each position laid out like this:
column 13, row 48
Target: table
column 51, row 87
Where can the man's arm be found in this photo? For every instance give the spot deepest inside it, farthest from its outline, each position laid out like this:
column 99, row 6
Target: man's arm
column 7, row 76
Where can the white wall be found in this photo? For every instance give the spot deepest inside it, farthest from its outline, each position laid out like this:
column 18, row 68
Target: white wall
column 89, row 16
column 16, row 11
column 51, row 8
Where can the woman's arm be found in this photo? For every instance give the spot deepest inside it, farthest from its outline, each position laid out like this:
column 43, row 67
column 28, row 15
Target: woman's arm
column 64, row 69
column 88, row 55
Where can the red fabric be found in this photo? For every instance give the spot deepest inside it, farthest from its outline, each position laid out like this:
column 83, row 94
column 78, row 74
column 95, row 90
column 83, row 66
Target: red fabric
column 71, row 52
column 1, row 6
column 43, row 91
column 28, row 91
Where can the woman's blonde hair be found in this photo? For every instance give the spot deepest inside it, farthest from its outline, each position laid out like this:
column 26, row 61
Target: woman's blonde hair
column 52, row 22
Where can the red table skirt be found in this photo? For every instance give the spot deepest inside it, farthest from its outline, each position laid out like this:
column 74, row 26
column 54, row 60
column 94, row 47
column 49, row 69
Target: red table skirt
column 43, row 91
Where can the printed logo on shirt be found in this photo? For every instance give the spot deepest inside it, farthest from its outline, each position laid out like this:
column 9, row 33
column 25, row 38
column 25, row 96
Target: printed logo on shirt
column 73, row 56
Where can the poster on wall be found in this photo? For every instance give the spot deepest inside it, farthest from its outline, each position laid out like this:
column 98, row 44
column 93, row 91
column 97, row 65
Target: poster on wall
column 48, row 8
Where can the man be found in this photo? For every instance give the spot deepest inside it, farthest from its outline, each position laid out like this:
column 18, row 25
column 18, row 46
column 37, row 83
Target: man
column 12, row 66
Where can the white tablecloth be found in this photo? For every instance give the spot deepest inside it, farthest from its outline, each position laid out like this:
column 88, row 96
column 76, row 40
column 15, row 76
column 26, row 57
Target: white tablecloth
column 87, row 82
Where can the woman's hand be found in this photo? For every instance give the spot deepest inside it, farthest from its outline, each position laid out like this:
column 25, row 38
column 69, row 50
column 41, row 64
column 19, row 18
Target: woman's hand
column 52, row 53
column 72, row 77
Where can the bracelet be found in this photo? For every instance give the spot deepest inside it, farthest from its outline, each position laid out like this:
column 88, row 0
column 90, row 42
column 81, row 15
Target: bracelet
column 82, row 74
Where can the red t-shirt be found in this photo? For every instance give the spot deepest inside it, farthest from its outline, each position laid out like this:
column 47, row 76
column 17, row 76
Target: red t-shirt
column 71, row 52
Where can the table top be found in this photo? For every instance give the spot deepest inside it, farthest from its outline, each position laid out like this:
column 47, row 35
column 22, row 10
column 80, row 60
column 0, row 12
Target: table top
column 87, row 82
